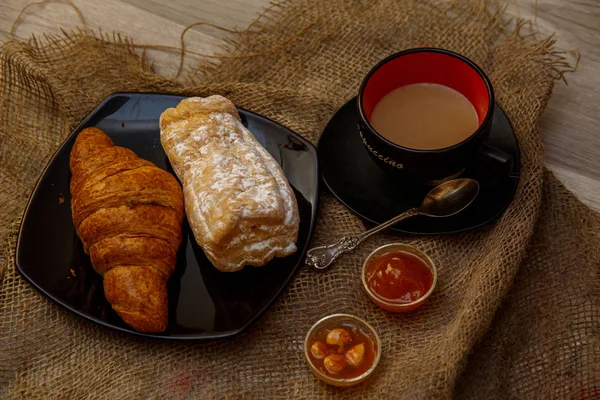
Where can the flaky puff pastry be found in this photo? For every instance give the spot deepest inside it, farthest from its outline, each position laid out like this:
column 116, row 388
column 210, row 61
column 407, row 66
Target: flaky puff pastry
column 128, row 214
column 238, row 201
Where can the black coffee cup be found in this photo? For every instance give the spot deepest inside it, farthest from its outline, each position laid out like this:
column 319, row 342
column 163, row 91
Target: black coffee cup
column 446, row 68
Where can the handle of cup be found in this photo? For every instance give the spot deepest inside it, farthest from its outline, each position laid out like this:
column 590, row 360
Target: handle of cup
column 501, row 160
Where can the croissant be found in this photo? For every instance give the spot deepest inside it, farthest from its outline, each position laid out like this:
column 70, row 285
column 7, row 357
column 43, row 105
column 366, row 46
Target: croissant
column 238, row 201
column 128, row 214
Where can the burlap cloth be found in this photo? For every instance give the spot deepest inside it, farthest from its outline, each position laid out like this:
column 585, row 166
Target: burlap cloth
column 517, row 310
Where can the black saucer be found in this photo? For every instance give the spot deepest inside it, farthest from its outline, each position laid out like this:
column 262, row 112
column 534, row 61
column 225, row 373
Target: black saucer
column 353, row 177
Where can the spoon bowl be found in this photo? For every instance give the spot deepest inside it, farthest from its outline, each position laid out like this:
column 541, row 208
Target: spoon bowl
column 449, row 198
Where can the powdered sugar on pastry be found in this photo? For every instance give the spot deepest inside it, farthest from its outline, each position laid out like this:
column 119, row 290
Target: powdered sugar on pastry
column 239, row 203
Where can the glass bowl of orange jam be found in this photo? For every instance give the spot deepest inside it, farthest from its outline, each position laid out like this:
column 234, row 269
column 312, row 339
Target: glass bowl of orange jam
column 398, row 277
column 342, row 350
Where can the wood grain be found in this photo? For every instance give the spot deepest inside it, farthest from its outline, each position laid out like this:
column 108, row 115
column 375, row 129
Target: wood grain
column 570, row 123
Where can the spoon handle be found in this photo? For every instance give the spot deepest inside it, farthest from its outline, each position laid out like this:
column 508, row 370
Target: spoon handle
column 323, row 256
column 413, row 212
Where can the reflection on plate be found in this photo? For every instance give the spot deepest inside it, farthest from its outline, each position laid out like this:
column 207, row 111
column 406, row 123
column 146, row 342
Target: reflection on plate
column 353, row 177
column 204, row 303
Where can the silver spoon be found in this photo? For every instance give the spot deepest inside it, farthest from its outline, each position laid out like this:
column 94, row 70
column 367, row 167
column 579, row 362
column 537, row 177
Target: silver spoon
column 447, row 199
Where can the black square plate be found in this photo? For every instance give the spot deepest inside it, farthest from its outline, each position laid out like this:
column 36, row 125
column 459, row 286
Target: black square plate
column 204, row 303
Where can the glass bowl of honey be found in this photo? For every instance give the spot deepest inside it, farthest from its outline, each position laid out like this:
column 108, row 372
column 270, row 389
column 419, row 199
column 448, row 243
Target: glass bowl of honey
column 398, row 277
column 342, row 350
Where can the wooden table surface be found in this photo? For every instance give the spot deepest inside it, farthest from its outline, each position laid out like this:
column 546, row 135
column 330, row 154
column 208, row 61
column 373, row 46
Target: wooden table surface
column 571, row 123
